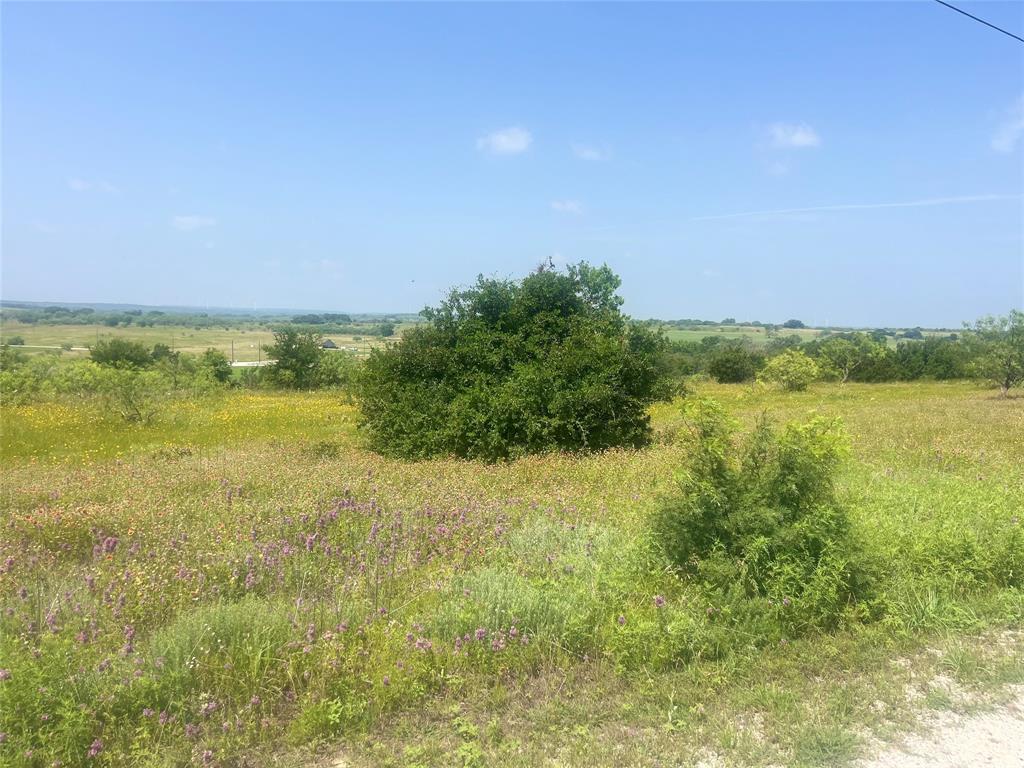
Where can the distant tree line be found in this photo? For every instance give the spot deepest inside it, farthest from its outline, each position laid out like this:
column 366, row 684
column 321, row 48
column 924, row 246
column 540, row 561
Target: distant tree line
column 991, row 349
column 339, row 323
column 132, row 379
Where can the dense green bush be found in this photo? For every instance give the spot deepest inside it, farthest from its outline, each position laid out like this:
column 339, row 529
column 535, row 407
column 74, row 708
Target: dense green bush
column 761, row 521
column 121, row 353
column 733, row 363
column 506, row 368
column 792, row 370
column 296, row 356
column 215, row 364
column 337, row 370
column 999, row 350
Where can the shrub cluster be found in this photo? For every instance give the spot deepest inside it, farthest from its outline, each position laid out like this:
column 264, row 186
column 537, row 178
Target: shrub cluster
column 507, row 368
column 991, row 350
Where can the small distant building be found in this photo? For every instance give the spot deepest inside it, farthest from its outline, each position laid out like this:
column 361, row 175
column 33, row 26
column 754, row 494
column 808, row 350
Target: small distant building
column 328, row 344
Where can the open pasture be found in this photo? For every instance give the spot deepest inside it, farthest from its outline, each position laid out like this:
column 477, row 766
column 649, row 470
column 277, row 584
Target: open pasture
column 245, row 340
column 754, row 334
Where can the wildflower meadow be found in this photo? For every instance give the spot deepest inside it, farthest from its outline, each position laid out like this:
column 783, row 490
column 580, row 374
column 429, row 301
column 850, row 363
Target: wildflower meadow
column 241, row 582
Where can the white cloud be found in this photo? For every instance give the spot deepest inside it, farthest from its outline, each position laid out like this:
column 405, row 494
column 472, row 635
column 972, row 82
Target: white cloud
column 82, row 185
column 1009, row 132
column 507, row 141
column 567, row 206
column 924, row 203
column 192, row 223
column 793, row 136
column 590, row 152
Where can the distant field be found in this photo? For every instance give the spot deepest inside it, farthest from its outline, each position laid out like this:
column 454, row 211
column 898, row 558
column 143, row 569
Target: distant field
column 751, row 332
column 247, row 340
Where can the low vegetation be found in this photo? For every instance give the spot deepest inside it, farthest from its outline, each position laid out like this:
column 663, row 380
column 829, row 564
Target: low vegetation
column 198, row 567
column 130, row 581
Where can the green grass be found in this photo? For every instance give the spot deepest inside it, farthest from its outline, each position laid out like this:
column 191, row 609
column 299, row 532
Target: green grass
column 224, row 509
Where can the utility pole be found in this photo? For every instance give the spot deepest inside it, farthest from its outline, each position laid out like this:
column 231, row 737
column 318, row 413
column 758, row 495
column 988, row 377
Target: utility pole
column 232, row 350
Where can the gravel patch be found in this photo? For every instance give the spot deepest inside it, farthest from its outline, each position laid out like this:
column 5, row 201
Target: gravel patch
column 993, row 739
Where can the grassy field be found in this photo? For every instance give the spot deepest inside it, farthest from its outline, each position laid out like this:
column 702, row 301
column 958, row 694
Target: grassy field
column 246, row 340
column 750, row 332
column 241, row 579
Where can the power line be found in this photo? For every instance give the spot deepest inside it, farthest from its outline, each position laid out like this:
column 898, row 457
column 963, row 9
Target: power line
column 981, row 21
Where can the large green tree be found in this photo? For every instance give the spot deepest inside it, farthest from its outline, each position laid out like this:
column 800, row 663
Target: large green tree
column 506, row 368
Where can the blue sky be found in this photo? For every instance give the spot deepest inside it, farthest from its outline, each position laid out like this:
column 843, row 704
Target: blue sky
column 844, row 163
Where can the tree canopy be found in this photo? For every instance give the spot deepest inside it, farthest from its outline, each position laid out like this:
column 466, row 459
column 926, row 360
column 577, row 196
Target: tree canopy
column 998, row 343
column 296, row 356
column 505, row 368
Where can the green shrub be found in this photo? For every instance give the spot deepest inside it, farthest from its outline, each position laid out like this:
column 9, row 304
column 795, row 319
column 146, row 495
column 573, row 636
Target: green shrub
column 763, row 518
column 507, row 368
column 793, row 370
column 732, row 363
column 337, row 370
column 216, row 365
column 121, row 353
column 297, row 355
column 136, row 396
column 998, row 343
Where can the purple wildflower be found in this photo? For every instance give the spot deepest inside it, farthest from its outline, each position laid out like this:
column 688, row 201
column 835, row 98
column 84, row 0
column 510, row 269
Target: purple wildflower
column 96, row 748
column 659, row 601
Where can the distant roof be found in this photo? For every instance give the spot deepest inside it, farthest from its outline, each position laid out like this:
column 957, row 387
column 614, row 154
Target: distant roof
column 328, row 344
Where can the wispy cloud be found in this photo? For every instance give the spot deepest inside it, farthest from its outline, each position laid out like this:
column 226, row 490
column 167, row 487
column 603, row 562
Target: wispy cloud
column 82, row 185
column 924, row 203
column 191, row 223
column 507, row 141
column 567, row 206
column 589, row 152
column 793, row 136
column 1009, row 132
